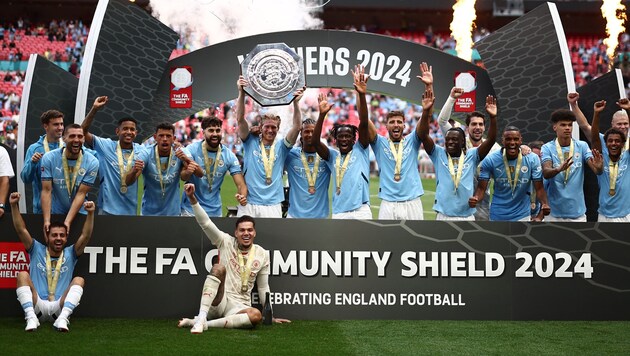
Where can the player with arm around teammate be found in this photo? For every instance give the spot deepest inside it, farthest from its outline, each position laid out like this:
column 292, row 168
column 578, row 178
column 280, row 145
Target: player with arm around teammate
column 49, row 288
column 226, row 295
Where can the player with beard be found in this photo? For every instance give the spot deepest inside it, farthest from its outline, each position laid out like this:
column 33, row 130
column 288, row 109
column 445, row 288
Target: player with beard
column 68, row 174
column 50, row 290
column 619, row 121
column 614, row 181
column 52, row 121
column 563, row 163
column 309, row 178
column 455, row 165
column 350, row 165
column 513, row 173
column 162, row 167
column 475, row 127
column 214, row 160
column 117, row 159
column 264, row 157
column 400, row 187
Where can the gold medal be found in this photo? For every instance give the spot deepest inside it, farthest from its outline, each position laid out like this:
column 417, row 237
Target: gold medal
column 397, row 177
column 338, row 191
column 533, row 206
column 268, row 181
column 311, row 190
column 244, row 289
column 611, row 192
column 123, row 189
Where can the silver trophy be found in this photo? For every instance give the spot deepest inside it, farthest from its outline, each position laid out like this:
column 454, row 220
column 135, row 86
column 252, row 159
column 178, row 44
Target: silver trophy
column 274, row 72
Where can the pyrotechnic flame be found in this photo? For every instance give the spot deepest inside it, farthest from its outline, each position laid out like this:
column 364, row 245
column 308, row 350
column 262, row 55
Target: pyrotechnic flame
column 462, row 26
column 615, row 14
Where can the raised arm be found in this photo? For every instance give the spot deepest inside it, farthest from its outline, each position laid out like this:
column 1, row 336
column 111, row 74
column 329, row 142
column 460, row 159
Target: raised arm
column 77, row 202
column 423, row 126
column 99, row 103
column 208, row 227
column 18, row 222
column 294, row 131
column 447, row 108
column 624, row 104
column 579, row 115
column 427, row 75
column 598, row 107
column 316, row 139
column 486, row 146
column 88, row 227
column 243, row 127
column 360, row 85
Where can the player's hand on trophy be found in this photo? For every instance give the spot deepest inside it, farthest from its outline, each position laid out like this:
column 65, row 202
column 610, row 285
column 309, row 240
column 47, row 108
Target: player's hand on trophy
column 241, row 83
column 298, row 95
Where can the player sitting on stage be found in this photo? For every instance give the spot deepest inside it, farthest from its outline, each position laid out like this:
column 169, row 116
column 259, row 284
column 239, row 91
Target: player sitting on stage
column 226, row 295
column 49, row 287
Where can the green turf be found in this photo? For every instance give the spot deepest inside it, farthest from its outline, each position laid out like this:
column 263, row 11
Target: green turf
column 123, row 336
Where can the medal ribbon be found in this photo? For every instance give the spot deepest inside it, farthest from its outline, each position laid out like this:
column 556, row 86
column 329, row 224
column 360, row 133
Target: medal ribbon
column 268, row 160
column 397, row 151
column 340, row 169
column 75, row 172
column 124, row 168
column 460, row 167
column 158, row 165
column 567, row 171
column 52, row 278
column 311, row 176
column 206, row 160
column 517, row 169
column 613, row 171
column 246, row 269
column 47, row 148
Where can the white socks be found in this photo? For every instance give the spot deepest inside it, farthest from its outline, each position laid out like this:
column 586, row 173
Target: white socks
column 72, row 300
column 210, row 288
column 25, row 297
column 236, row 321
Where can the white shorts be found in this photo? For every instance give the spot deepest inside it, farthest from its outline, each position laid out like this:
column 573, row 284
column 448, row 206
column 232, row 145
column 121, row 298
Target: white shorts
column 260, row 211
column 362, row 213
column 602, row 218
column 49, row 310
column 550, row 218
column 227, row 307
column 404, row 210
column 443, row 217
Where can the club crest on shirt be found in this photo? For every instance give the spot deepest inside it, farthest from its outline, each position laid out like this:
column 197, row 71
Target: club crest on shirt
column 524, row 169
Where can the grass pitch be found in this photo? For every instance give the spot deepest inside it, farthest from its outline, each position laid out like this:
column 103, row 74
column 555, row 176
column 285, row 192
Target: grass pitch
column 126, row 336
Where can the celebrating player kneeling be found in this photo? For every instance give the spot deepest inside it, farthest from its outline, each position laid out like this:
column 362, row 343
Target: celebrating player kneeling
column 49, row 288
column 226, row 295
